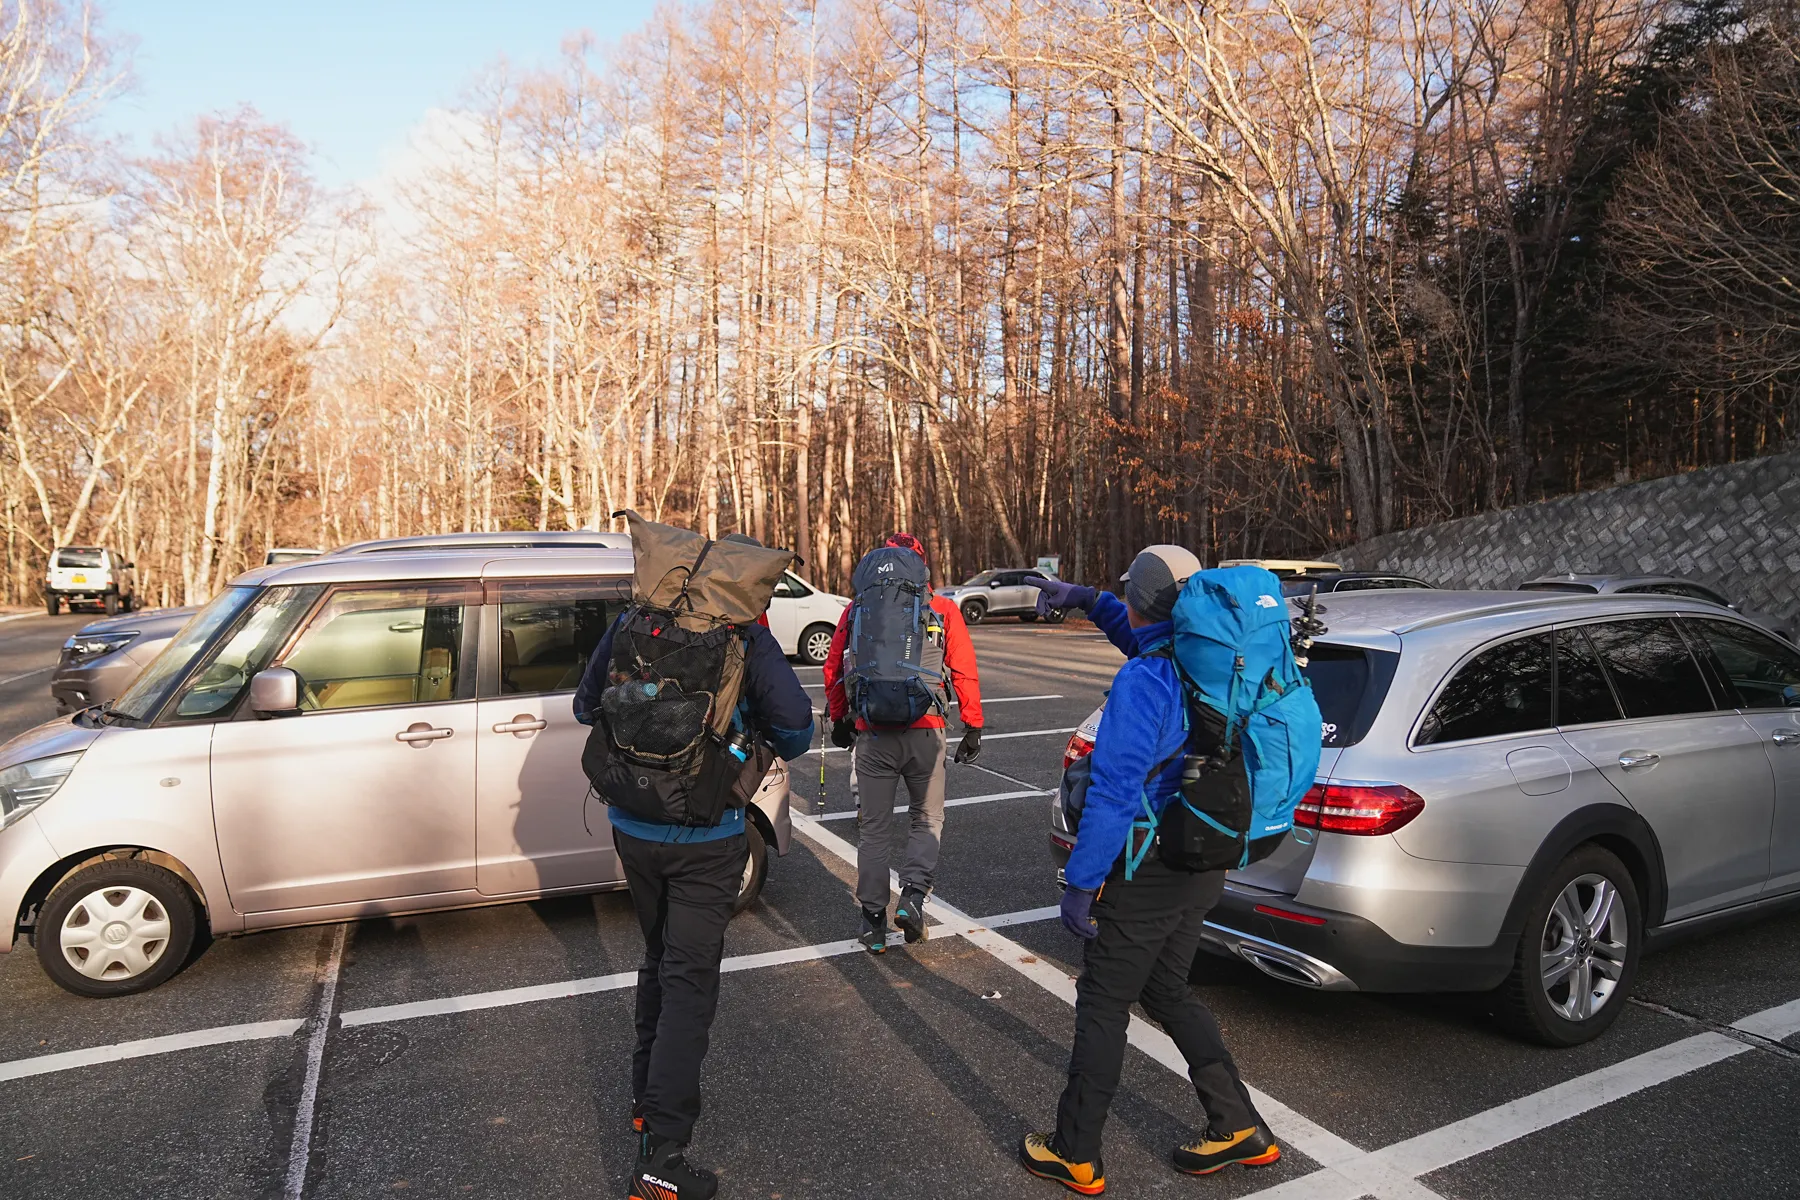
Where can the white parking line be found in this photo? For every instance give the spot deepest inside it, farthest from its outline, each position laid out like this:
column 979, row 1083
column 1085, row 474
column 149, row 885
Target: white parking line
column 1310, row 1138
column 300, row 1151
column 26, row 675
column 219, row 1035
column 845, row 816
column 985, row 738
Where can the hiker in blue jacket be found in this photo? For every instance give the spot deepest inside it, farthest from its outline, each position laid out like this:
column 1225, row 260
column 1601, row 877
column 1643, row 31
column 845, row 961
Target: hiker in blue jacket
column 1141, row 920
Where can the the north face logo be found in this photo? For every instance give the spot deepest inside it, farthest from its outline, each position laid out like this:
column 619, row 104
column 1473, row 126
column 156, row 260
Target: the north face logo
column 1266, row 602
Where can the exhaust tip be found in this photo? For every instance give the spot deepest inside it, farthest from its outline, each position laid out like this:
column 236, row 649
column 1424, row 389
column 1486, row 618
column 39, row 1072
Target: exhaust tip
column 1281, row 969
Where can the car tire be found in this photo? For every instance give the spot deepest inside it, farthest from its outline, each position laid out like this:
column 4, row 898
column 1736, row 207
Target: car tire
column 815, row 644
column 111, row 604
column 149, row 907
column 1055, row 616
column 1029, row 614
column 52, row 603
column 972, row 612
column 756, row 868
column 1566, row 930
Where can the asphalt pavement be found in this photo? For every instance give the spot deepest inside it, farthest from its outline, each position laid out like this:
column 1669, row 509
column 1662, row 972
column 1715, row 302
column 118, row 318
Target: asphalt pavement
column 485, row 1052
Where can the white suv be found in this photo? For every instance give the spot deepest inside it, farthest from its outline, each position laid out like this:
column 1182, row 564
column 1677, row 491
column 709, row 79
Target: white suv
column 89, row 575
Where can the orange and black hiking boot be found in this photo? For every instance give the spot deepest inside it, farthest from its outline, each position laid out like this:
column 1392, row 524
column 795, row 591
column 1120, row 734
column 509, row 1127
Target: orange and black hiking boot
column 1037, row 1156
column 663, row 1173
column 637, row 1116
column 1214, row 1151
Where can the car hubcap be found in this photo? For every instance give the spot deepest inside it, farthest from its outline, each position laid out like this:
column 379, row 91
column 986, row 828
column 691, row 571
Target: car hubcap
column 115, row 933
column 1583, row 953
column 818, row 646
column 749, row 872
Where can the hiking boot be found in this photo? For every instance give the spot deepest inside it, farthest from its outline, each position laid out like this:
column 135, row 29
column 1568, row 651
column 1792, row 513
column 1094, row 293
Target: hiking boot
column 909, row 915
column 663, row 1173
column 1253, row 1147
column 1037, row 1156
column 874, row 934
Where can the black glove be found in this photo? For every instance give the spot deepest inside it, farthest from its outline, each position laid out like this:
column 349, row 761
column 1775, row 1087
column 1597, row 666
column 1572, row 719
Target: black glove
column 843, row 732
column 970, row 749
column 1077, row 913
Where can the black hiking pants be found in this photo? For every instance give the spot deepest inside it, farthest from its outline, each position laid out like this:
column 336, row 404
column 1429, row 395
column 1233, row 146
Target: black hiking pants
column 1149, row 932
column 683, row 893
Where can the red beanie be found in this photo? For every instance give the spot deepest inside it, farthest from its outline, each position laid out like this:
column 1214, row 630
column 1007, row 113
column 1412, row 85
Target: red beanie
column 906, row 541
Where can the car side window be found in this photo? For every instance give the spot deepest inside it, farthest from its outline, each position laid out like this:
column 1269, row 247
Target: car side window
column 549, row 631
column 385, row 647
column 216, row 686
column 1652, row 672
column 1356, row 585
column 789, row 587
column 1761, row 669
column 1583, row 697
column 1504, row 689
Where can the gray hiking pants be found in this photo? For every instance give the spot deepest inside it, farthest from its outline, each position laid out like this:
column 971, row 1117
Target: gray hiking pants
column 883, row 760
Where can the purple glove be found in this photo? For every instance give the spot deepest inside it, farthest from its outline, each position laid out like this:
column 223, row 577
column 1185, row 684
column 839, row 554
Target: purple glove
column 1075, row 916
column 1054, row 593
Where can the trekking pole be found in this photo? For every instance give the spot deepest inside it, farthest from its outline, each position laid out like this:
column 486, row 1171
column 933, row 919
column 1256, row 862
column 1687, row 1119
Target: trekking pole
column 821, row 811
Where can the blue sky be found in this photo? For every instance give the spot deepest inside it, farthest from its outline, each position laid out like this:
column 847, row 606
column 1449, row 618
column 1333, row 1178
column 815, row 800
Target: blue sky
column 349, row 79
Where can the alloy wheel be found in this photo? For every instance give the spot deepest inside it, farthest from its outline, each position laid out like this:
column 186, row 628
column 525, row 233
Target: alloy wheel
column 1583, row 953
column 817, row 647
column 114, row 933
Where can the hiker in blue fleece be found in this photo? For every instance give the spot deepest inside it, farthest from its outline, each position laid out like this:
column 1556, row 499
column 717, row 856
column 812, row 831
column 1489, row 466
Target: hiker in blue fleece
column 1141, row 932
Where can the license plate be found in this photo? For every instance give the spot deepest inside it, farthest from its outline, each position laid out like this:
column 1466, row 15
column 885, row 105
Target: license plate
column 78, row 579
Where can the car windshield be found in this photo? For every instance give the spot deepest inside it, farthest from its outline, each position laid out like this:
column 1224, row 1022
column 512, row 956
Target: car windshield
column 1558, row 585
column 1349, row 682
column 78, row 556
column 151, row 688
column 981, row 580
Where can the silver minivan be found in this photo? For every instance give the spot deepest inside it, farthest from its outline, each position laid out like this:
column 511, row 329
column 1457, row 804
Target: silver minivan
column 1521, row 792
column 335, row 738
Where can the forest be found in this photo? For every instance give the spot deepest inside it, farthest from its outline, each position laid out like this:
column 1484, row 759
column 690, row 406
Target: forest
column 1022, row 276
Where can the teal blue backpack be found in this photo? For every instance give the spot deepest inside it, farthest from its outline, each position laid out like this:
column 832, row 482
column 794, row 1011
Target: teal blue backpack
column 1254, row 724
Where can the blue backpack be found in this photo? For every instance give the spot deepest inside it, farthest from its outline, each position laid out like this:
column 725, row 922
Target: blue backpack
column 1253, row 719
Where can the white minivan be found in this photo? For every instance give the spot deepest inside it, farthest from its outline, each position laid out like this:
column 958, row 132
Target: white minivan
column 342, row 737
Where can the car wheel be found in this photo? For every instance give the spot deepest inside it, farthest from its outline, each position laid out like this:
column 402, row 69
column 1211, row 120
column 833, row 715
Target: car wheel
column 111, row 604
column 51, row 604
column 972, row 611
column 1578, row 953
column 1055, row 616
column 1029, row 614
column 756, row 868
column 116, row 928
column 815, row 644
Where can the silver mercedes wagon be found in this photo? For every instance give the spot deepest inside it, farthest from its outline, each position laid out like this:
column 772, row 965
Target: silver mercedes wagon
column 1522, row 792
column 334, row 738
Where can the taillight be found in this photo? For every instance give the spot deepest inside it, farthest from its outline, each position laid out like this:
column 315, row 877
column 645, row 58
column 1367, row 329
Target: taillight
column 1077, row 749
column 1365, row 808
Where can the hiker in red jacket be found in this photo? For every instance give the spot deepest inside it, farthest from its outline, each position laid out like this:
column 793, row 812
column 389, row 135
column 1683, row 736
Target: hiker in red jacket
column 886, row 755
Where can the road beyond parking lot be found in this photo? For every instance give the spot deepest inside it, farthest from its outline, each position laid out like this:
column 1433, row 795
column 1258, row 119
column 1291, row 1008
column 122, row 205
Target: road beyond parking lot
column 486, row 1052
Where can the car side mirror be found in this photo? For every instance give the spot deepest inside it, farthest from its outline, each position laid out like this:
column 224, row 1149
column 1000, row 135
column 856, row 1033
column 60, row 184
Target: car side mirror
column 993, row 583
column 275, row 692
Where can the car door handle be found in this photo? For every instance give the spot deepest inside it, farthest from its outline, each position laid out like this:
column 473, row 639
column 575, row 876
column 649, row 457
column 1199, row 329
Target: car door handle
column 1639, row 758
column 1786, row 737
column 422, row 732
column 523, row 723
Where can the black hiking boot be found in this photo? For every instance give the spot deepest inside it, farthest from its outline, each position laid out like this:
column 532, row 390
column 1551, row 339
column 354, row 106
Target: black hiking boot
column 874, row 934
column 910, row 916
column 1215, row 1150
column 664, row 1173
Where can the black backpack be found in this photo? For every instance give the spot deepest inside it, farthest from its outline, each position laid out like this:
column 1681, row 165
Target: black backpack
column 653, row 753
column 896, row 672
column 668, row 744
